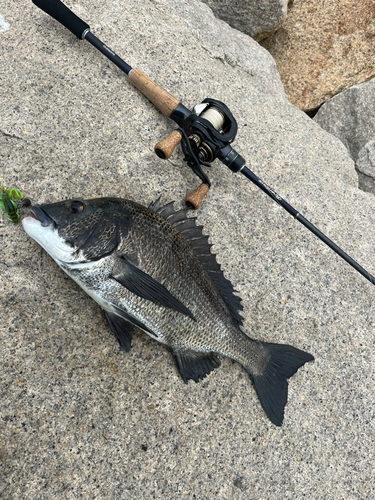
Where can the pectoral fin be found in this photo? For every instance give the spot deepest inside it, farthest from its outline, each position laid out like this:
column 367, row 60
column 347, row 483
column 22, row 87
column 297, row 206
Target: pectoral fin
column 141, row 284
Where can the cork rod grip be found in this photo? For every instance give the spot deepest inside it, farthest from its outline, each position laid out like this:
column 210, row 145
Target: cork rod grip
column 158, row 96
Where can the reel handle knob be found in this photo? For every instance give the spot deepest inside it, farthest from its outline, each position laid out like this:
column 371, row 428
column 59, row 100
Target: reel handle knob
column 164, row 149
column 194, row 199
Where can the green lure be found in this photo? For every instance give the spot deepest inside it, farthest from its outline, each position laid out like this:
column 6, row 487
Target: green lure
column 8, row 204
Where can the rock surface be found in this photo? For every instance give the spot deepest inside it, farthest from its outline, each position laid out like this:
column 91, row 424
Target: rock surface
column 350, row 116
column 78, row 417
column 366, row 159
column 366, row 167
column 323, row 48
column 257, row 18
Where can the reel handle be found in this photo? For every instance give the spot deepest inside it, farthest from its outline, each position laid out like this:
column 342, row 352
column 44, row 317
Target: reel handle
column 194, row 199
column 164, row 149
column 63, row 15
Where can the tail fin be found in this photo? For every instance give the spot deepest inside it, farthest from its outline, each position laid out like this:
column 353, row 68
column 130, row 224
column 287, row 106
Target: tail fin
column 272, row 386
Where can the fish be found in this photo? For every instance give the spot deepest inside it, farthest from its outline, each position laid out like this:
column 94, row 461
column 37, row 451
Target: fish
column 152, row 268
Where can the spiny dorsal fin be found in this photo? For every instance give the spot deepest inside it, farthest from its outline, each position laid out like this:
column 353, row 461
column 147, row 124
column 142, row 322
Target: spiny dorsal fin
column 199, row 242
column 155, row 205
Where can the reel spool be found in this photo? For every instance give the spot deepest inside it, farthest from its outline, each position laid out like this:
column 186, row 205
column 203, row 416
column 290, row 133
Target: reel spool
column 205, row 134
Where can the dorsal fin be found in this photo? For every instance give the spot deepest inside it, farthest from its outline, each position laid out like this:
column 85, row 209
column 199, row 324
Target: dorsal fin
column 155, row 205
column 199, row 242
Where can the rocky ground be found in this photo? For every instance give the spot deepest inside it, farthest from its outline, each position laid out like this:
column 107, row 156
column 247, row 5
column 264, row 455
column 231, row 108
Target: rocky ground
column 78, row 417
column 323, row 48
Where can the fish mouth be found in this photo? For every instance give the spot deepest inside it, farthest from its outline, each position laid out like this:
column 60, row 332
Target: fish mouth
column 40, row 215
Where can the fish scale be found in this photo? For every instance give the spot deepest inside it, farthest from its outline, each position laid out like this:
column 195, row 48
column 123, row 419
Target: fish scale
column 152, row 268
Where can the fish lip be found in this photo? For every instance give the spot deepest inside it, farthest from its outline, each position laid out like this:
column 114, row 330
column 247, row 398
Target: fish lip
column 39, row 214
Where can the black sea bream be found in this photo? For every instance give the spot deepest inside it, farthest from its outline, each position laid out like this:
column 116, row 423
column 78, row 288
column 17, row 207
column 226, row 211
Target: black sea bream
column 152, row 268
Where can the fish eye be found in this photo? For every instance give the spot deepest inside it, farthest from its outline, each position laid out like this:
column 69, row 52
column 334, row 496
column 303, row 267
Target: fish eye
column 75, row 207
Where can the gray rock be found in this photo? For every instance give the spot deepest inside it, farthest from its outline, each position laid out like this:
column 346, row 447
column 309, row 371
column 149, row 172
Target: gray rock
column 365, row 166
column 78, row 417
column 366, row 159
column 350, row 116
column 257, row 18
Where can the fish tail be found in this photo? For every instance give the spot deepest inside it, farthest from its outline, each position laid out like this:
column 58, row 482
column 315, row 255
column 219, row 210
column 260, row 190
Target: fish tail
column 272, row 385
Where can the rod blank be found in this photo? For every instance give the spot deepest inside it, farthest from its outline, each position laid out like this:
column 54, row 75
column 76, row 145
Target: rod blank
column 271, row 193
column 63, row 15
column 167, row 104
column 98, row 44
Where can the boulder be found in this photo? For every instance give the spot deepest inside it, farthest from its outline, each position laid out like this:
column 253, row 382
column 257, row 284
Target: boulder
column 323, row 48
column 257, row 18
column 350, row 116
column 79, row 418
column 365, row 166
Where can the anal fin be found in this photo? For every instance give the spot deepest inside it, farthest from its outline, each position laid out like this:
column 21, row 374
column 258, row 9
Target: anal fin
column 194, row 365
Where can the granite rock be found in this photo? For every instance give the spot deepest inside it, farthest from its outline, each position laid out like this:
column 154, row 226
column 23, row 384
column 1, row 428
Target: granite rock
column 323, row 48
column 365, row 166
column 81, row 419
column 366, row 159
column 350, row 116
column 257, row 18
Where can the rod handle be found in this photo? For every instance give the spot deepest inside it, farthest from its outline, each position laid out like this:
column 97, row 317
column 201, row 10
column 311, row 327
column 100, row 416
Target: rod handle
column 63, row 15
column 194, row 199
column 154, row 93
column 164, row 149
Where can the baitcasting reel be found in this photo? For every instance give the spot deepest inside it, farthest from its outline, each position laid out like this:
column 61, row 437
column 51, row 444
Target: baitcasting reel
column 205, row 134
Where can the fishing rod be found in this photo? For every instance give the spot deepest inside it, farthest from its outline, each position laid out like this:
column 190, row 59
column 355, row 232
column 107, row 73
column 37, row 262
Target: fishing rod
column 205, row 134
